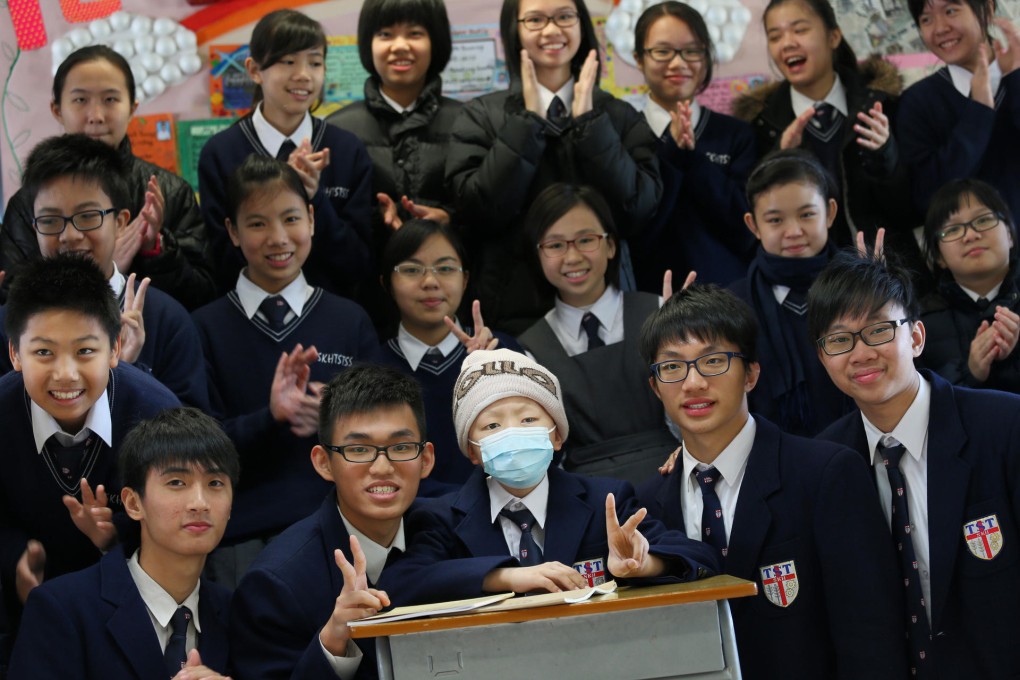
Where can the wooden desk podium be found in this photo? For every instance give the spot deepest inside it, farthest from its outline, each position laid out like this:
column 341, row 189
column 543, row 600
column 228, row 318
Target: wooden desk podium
column 672, row 631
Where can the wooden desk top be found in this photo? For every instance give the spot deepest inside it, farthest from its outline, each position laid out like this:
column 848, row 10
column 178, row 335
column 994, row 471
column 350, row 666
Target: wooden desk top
column 711, row 589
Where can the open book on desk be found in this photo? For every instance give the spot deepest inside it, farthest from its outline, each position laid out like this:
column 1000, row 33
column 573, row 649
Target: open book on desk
column 490, row 603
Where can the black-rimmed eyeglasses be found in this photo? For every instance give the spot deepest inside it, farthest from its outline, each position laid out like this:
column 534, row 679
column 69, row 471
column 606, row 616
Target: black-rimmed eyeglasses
column 536, row 22
column 871, row 335
column 86, row 220
column 708, row 365
column 400, row 452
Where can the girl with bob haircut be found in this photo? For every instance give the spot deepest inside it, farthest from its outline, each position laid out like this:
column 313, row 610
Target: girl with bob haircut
column 617, row 426
column 287, row 63
column 553, row 125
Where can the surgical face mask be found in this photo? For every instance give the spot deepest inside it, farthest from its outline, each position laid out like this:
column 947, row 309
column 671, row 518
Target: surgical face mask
column 517, row 457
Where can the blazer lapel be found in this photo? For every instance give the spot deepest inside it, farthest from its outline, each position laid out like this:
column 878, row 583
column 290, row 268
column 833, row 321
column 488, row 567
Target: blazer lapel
column 334, row 535
column 948, row 480
column 752, row 518
column 212, row 641
column 670, row 499
column 130, row 626
column 567, row 519
column 476, row 529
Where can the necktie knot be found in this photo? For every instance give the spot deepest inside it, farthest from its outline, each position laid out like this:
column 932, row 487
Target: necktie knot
column 707, row 478
column 982, row 303
column 522, row 518
column 529, row 553
column 275, row 309
column 892, row 454
column 286, row 149
column 590, row 325
column 434, row 356
column 176, row 653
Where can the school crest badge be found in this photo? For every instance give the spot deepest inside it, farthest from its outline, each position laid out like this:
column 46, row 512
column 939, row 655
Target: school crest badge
column 984, row 537
column 779, row 583
column 593, row 571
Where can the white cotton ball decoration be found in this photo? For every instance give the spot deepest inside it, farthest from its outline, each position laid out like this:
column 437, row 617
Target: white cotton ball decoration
column 715, row 34
column 186, row 39
column 61, row 49
column 700, row 5
column 141, row 25
column 189, row 63
column 625, row 43
column 153, row 86
column 166, row 46
column 152, row 62
column 125, row 48
column 724, row 52
column 120, row 21
column 139, row 73
column 100, row 29
column 617, row 22
column 740, row 15
column 145, row 44
column 171, row 74
column 732, row 34
column 79, row 37
column 632, row 7
column 164, row 26
column 716, row 15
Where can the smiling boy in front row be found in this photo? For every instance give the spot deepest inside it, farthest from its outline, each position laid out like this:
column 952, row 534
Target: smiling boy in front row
column 518, row 524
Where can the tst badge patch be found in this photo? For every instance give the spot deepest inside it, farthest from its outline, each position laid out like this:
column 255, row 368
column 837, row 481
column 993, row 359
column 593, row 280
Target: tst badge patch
column 779, row 583
column 984, row 537
column 593, row 571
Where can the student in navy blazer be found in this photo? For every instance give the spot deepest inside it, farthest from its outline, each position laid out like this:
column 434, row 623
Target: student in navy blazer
column 289, row 613
column 968, row 467
column 785, row 503
column 506, row 406
column 117, row 618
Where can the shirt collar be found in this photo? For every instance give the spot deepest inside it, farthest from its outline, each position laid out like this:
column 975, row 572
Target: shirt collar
column 658, row 118
column 961, row 78
column 117, row 282
column 97, row 421
column 990, row 295
column 396, row 106
column 272, row 138
column 565, row 93
column 537, row 501
column 836, row 97
column 160, row 603
column 605, row 310
column 911, row 431
column 731, row 461
column 375, row 554
column 414, row 349
column 251, row 296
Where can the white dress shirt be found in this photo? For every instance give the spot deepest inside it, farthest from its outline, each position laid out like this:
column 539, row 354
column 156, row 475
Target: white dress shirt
column 98, row 421
column 912, row 432
column 565, row 321
column 537, row 502
column 962, row 78
column 162, row 606
column 565, row 93
column 836, row 97
column 414, row 349
column 731, row 464
column 272, row 139
column 296, row 294
column 659, row 119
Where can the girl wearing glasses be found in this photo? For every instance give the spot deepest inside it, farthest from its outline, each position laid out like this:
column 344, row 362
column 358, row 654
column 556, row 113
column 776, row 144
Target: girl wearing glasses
column 424, row 267
column 617, row 426
column 165, row 240
column 553, row 124
column 840, row 111
column 793, row 208
column 972, row 316
column 704, row 156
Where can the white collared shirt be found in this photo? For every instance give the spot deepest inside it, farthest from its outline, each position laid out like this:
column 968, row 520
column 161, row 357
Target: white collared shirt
column 117, row 281
column 912, row 432
column 272, row 139
column 731, row 464
column 565, row 321
column 962, row 78
column 397, row 106
column 97, row 421
column 836, row 97
column 658, row 118
column 296, row 294
column 990, row 295
column 537, row 502
column 565, row 93
column 162, row 606
column 414, row 349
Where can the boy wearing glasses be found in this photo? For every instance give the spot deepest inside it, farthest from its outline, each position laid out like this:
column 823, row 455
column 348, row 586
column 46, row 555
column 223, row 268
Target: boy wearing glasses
column 290, row 612
column 944, row 462
column 791, row 514
column 78, row 191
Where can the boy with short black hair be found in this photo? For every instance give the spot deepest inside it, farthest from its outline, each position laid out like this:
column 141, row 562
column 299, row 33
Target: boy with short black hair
column 78, row 190
column 791, row 514
column 66, row 409
column 518, row 524
column 287, row 620
column 147, row 615
column 945, row 465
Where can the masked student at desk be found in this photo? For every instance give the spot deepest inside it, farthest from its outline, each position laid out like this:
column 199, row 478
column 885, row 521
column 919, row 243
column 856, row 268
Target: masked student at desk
column 519, row 525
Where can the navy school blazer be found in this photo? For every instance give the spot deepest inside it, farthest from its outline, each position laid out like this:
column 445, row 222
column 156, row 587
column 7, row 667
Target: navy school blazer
column 973, row 473
column 458, row 532
column 94, row 624
column 809, row 503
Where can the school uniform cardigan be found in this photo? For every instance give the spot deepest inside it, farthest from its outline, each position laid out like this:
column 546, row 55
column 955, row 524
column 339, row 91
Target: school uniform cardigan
column 873, row 183
column 182, row 269
column 30, row 496
column 340, row 256
column 502, row 156
column 944, row 135
column 951, row 319
column 278, row 484
column 700, row 221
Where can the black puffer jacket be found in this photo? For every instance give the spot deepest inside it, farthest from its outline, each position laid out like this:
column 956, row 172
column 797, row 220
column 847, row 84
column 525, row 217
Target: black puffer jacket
column 876, row 187
column 408, row 152
column 183, row 268
column 502, row 156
